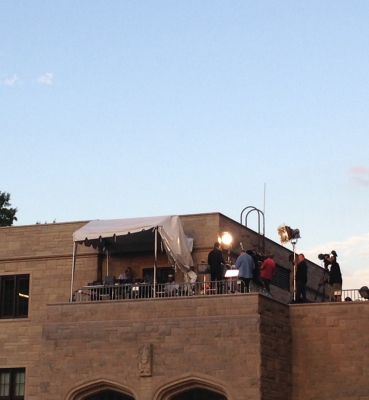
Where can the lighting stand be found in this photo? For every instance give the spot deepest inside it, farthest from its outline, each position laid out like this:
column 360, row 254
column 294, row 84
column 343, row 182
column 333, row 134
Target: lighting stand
column 294, row 241
column 229, row 257
column 286, row 234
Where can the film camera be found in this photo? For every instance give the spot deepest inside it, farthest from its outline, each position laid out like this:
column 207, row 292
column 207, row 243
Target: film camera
column 324, row 257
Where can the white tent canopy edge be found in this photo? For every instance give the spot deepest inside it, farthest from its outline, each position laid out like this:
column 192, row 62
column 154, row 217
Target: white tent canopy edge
column 177, row 245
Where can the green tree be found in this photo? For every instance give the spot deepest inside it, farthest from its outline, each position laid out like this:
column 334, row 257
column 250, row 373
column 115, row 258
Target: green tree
column 7, row 214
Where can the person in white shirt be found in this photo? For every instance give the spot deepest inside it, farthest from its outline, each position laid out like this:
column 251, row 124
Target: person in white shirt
column 171, row 288
column 127, row 275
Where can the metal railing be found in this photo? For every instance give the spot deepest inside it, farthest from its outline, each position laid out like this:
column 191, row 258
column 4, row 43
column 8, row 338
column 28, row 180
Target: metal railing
column 162, row 290
column 346, row 295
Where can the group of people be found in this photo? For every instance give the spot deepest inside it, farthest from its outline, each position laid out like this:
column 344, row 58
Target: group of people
column 247, row 265
column 249, row 270
column 334, row 279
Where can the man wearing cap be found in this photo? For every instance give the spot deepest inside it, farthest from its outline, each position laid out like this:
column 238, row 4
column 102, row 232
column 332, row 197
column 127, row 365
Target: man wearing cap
column 335, row 276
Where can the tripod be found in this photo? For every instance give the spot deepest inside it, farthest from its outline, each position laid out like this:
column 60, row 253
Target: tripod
column 322, row 282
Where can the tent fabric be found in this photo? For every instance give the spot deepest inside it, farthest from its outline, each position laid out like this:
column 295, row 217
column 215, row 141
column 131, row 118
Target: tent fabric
column 177, row 245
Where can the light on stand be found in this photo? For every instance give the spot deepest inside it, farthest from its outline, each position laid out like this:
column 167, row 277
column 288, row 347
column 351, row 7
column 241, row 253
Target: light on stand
column 286, row 234
column 225, row 240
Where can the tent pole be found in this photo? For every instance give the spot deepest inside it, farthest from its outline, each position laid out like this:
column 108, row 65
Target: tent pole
column 107, row 262
column 156, row 258
column 73, row 270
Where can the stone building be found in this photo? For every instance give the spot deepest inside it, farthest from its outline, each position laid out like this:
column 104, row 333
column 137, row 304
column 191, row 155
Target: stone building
column 206, row 346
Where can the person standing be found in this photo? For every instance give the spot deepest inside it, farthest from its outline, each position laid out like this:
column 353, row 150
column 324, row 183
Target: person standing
column 267, row 270
column 245, row 266
column 256, row 271
column 216, row 262
column 335, row 276
column 301, row 279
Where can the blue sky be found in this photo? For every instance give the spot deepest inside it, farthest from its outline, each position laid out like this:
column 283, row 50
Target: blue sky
column 115, row 109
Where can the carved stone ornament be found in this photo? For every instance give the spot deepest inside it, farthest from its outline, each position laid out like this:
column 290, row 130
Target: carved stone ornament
column 145, row 360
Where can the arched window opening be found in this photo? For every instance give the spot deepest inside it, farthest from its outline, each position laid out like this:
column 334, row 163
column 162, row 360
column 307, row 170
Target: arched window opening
column 109, row 395
column 198, row 394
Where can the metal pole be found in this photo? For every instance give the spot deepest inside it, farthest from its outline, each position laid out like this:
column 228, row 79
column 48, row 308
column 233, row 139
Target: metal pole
column 155, row 258
column 73, row 269
column 107, row 262
column 294, row 270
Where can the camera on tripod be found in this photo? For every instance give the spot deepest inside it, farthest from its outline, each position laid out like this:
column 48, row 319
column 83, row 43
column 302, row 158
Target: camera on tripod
column 324, row 258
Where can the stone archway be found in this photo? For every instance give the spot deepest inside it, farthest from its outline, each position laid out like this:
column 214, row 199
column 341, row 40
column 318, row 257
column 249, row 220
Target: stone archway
column 100, row 389
column 193, row 387
column 198, row 394
column 108, row 395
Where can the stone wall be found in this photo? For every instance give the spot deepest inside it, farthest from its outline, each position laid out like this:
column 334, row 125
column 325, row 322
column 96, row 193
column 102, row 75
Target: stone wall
column 276, row 350
column 330, row 351
column 230, row 344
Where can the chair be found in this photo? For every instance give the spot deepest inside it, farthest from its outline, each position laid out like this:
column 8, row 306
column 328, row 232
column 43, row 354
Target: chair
column 109, row 280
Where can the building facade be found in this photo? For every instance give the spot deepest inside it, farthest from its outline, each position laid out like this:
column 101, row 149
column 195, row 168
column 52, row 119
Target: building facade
column 231, row 346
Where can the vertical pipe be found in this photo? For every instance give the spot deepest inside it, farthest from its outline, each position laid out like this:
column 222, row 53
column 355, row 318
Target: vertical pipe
column 107, row 262
column 73, row 270
column 294, row 271
column 264, row 210
column 155, row 258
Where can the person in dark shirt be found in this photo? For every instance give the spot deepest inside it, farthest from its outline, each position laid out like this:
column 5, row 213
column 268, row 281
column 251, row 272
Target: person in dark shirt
column 335, row 276
column 256, row 272
column 301, row 279
column 216, row 262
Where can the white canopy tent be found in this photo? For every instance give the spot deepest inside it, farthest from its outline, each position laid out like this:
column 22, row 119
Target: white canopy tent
column 136, row 233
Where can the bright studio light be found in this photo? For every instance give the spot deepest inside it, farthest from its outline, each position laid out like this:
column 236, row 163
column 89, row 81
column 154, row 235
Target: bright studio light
column 225, row 239
column 287, row 234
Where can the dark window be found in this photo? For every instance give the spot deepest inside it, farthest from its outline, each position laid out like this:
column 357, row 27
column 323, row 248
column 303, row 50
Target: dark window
column 281, row 278
column 14, row 294
column 161, row 273
column 199, row 394
column 12, row 383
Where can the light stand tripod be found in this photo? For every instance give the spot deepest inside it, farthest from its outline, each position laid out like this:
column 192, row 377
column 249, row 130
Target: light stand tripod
column 286, row 234
column 322, row 282
column 294, row 241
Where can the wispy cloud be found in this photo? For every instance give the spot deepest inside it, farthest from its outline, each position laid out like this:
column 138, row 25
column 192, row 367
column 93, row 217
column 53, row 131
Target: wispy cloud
column 46, row 79
column 359, row 175
column 11, row 81
column 356, row 279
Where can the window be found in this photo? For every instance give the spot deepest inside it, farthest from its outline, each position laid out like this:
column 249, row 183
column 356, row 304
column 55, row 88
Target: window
column 14, row 294
column 12, row 384
column 281, row 277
